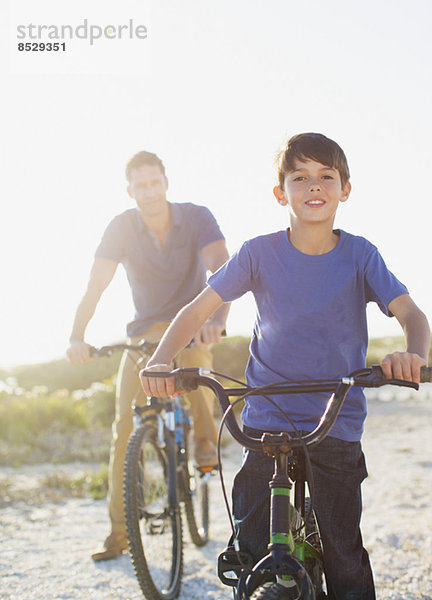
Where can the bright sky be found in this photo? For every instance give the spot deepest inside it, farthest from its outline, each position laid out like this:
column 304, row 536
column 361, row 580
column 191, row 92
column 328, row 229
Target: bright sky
column 214, row 89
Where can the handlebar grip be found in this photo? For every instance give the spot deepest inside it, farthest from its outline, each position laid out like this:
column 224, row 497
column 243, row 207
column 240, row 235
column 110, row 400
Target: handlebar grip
column 185, row 379
column 426, row 375
column 148, row 373
column 100, row 352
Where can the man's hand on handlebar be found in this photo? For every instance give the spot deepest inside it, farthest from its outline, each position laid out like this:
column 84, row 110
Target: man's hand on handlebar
column 210, row 333
column 161, row 387
column 78, row 352
column 403, row 365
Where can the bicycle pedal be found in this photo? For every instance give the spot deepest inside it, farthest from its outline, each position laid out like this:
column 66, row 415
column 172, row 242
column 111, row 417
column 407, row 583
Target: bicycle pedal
column 205, row 470
column 229, row 564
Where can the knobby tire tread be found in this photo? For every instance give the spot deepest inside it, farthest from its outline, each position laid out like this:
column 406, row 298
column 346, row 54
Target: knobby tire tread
column 196, row 506
column 274, row 591
column 147, row 434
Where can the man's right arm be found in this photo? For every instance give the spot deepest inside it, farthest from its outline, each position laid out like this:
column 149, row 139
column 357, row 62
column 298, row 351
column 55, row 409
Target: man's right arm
column 178, row 335
column 100, row 277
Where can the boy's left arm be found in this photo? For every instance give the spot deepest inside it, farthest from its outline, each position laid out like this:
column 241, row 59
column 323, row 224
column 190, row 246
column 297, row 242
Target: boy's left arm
column 406, row 365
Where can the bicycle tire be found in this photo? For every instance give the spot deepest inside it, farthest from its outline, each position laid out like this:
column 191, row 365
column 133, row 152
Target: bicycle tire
column 196, row 502
column 274, row 591
column 154, row 527
column 195, row 497
column 313, row 566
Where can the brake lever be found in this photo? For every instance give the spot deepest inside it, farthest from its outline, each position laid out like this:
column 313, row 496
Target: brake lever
column 375, row 379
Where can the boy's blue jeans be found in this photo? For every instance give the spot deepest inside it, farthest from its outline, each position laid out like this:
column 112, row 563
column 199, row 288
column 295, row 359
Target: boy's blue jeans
column 338, row 469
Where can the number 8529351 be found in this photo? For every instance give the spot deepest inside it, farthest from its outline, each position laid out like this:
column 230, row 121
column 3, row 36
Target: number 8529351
column 41, row 46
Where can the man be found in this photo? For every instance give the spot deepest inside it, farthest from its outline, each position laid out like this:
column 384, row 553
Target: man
column 165, row 249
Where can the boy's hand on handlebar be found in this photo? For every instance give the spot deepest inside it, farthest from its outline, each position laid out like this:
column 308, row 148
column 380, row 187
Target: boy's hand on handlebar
column 161, row 387
column 78, row 352
column 403, row 365
column 209, row 333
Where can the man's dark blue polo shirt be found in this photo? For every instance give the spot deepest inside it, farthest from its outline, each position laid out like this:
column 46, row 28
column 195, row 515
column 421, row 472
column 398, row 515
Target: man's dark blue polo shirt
column 162, row 278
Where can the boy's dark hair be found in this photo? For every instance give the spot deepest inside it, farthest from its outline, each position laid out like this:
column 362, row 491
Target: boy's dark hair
column 311, row 146
column 144, row 158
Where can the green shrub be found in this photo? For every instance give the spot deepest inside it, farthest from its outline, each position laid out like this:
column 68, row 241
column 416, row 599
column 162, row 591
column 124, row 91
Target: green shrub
column 58, row 427
column 60, row 374
column 230, row 357
column 92, row 483
column 379, row 347
column 97, row 483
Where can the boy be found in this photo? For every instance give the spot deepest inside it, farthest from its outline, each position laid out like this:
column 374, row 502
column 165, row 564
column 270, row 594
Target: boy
column 311, row 285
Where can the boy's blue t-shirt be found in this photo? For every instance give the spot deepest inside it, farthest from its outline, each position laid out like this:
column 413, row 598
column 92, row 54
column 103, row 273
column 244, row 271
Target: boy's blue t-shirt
column 310, row 322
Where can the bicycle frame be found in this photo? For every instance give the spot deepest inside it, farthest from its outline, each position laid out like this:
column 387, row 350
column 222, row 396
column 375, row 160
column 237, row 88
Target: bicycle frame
column 286, row 552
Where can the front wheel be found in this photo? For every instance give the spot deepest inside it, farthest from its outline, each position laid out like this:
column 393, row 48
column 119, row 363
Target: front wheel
column 275, row 591
column 153, row 524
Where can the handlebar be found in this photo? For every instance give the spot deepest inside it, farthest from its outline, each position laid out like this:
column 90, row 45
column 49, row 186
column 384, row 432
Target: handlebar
column 372, row 377
column 143, row 348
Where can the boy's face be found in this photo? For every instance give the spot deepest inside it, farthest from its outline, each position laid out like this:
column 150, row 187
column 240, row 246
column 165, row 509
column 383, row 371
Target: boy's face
column 313, row 192
column 148, row 187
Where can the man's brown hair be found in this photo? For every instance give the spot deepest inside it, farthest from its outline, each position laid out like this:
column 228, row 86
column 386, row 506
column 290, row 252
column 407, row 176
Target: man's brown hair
column 144, row 158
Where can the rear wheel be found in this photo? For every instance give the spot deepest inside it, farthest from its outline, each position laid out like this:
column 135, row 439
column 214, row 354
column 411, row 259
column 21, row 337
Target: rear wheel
column 153, row 525
column 196, row 497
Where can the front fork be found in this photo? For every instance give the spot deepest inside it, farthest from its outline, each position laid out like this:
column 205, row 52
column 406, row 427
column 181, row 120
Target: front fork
column 286, row 555
column 164, row 414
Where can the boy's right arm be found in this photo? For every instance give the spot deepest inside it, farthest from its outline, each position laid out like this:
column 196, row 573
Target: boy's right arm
column 178, row 335
column 100, row 277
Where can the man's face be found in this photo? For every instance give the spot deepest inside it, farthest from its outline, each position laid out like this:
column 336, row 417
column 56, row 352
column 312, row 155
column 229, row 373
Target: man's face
column 148, row 187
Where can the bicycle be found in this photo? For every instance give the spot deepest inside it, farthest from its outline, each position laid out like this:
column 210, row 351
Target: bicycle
column 292, row 570
column 159, row 477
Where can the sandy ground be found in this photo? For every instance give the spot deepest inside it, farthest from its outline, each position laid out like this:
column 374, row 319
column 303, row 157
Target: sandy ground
column 45, row 544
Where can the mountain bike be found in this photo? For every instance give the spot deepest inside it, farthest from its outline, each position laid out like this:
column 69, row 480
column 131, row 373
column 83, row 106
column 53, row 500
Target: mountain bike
column 292, row 570
column 159, row 478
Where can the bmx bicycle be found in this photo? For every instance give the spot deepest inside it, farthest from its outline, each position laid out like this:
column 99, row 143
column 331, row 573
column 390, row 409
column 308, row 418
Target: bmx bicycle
column 292, row 570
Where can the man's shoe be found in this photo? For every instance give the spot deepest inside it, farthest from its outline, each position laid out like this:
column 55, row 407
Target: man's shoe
column 115, row 544
column 205, row 453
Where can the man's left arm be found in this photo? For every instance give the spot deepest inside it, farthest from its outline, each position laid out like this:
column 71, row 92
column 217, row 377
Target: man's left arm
column 214, row 255
column 406, row 365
